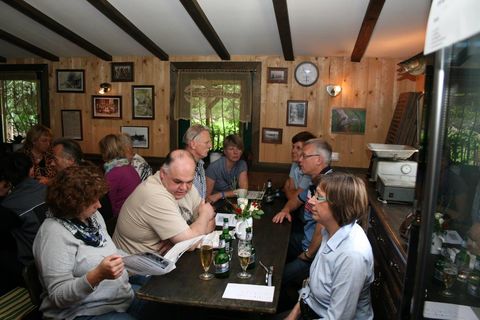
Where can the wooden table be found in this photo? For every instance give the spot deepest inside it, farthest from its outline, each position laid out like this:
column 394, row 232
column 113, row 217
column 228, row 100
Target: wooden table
column 183, row 287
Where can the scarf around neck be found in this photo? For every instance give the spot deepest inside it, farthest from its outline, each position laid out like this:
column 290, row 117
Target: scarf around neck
column 89, row 233
column 117, row 162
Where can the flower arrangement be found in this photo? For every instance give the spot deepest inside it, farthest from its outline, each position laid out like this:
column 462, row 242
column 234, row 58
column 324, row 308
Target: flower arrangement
column 440, row 223
column 246, row 210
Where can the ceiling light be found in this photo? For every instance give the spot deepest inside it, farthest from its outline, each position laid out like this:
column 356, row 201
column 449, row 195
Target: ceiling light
column 333, row 90
column 105, row 87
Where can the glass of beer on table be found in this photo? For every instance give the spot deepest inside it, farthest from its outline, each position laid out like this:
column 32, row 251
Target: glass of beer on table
column 206, row 257
column 244, row 253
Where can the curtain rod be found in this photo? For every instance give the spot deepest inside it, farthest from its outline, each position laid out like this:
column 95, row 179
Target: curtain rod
column 215, row 70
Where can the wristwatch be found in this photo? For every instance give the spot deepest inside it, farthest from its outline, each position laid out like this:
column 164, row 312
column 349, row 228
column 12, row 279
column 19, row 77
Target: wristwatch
column 306, row 254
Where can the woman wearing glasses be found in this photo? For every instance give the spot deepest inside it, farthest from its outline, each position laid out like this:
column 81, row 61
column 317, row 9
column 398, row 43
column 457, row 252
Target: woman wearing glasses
column 342, row 271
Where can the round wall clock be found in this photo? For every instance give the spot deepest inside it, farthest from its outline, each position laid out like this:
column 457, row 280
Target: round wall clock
column 306, row 73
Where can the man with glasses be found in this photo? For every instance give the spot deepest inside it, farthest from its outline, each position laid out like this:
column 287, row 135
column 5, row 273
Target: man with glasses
column 198, row 142
column 314, row 162
column 164, row 209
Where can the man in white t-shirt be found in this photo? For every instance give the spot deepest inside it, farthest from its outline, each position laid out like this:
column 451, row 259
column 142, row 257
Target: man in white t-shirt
column 164, row 209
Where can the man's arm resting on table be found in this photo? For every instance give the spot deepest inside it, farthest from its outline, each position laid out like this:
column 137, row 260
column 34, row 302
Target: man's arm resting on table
column 204, row 224
column 290, row 206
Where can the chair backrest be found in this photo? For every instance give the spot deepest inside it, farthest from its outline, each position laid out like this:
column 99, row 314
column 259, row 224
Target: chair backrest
column 34, row 287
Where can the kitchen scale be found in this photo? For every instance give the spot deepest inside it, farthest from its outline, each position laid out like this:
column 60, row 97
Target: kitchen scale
column 394, row 175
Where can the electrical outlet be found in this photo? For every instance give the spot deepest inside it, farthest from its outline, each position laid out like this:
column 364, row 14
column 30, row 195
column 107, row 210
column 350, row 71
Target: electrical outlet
column 335, row 156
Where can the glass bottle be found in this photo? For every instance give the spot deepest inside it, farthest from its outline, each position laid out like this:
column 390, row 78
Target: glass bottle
column 253, row 257
column 269, row 193
column 222, row 262
column 462, row 260
column 227, row 237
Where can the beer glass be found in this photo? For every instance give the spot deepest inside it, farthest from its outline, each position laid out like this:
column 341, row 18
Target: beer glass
column 449, row 276
column 244, row 254
column 206, row 257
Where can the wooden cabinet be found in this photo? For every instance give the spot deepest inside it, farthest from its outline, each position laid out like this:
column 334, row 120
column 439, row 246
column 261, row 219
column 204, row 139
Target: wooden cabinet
column 390, row 255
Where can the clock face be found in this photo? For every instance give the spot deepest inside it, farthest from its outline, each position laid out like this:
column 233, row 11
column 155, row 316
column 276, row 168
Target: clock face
column 306, row 74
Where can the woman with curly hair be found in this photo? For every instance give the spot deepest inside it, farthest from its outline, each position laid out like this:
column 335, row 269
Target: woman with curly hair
column 38, row 147
column 79, row 268
column 342, row 271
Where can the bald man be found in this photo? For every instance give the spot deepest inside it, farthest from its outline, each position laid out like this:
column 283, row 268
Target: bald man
column 164, row 209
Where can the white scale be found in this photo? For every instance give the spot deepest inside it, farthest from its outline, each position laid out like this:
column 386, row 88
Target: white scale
column 395, row 176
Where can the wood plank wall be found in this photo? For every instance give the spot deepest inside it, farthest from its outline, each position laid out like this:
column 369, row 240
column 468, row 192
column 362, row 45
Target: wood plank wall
column 372, row 84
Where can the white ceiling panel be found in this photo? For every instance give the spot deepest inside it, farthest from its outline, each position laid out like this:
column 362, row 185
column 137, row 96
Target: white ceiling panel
column 166, row 23
column 400, row 29
column 8, row 50
column 246, row 27
column 29, row 30
column 85, row 20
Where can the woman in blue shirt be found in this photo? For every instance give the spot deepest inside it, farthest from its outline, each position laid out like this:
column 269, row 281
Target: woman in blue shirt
column 342, row 271
column 227, row 173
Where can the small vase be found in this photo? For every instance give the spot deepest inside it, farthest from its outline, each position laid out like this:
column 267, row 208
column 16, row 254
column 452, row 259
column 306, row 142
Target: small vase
column 241, row 228
column 436, row 244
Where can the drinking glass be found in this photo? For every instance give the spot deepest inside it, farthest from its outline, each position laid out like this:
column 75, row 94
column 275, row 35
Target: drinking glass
column 449, row 276
column 244, row 254
column 206, row 257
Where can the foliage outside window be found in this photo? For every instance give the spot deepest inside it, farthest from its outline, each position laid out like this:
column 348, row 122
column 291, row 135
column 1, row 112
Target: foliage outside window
column 20, row 107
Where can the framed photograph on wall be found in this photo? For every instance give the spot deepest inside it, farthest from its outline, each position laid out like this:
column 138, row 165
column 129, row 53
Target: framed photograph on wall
column 143, row 102
column 72, row 124
column 297, row 113
column 348, row 120
column 272, row 135
column 277, row 75
column 71, row 80
column 139, row 135
column 122, row 71
column 107, row 107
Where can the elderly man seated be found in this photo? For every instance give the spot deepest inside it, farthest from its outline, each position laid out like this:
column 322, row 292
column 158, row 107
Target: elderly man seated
column 164, row 209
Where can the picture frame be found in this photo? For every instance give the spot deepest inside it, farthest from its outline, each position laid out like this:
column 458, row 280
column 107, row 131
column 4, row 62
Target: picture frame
column 70, row 80
column 122, row 72
column 143, row 102
column 107, row 107
column 348, row 120
column 72, row 124
column 297, row 113
column 277, row 75
column 139, row 135
column 272, row 135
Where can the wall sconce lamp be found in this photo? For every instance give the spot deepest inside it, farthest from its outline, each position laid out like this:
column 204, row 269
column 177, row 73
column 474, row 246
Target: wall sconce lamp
column 333, row 90
column 105, row 87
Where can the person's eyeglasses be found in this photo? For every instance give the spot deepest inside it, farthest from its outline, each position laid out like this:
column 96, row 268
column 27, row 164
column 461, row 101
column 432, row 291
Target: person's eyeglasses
column 306, row 156
column 320, row 198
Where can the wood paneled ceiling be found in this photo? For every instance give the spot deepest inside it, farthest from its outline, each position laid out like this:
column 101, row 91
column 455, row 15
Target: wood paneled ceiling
column 164, row 28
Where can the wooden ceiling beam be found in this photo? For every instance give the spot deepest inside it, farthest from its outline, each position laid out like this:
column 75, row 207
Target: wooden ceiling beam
column 126, row 25
column 283, row 24
column 201, row 20
column 56, row 27
column 368, row 25
column 3, row 59
column 4, row 35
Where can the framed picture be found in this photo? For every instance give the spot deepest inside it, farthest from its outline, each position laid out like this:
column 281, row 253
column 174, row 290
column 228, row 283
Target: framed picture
column 272, row 135
column 139, row 136
column 107, row 107
column 143, row 102
column 277, row 75
column 122, row 71
column 71, row 80
column 348, row 120
column 297, row 113
column 72, row 124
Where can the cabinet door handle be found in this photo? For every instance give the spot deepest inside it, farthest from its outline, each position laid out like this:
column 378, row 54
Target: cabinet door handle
column 395, row 266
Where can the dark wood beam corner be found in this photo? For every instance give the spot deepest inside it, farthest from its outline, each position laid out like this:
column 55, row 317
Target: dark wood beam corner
column 202, row 22
column 283, row 24
column 56, row 27
column 3, row 59
column 126, row 25
column 368, row 25
column 27, row 46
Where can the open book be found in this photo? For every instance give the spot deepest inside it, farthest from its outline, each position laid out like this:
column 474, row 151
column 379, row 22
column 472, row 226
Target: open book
column 150, row 263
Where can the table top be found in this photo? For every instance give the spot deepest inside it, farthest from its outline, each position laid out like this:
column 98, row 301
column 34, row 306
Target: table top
column 182, row 286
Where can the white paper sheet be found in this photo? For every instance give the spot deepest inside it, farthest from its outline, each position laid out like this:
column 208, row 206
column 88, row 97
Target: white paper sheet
column 231, row 219
column 438, row 310
column 249, row 292
column 178, row 249
column 450, row 22
column 255, row 195
column 214, row 236
column 452, row 237
column 148, row 264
